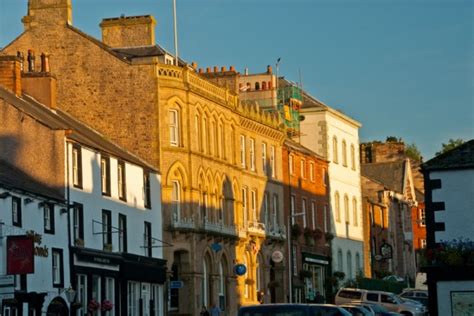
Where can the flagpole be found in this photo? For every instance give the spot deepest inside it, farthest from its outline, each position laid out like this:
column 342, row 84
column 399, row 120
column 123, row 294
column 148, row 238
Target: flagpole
column 175, row 34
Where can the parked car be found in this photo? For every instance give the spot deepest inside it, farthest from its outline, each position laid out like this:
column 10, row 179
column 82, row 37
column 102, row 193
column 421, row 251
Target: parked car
column 293, row 310
column 386, row 299
column 378, row 309
column 416, row 295
column 357, row 310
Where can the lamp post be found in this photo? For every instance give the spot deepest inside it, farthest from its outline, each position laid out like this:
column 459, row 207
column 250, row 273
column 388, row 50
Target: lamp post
column 290, row 267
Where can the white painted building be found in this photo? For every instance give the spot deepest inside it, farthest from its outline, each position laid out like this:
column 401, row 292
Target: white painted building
column 335, row 136
column 28, row 213
column 449, row 198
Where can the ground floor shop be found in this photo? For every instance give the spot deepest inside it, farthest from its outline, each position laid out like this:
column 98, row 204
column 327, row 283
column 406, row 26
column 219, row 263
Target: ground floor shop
column 118, row 284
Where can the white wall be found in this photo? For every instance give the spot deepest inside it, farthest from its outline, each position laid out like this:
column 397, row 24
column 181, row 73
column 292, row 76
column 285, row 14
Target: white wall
column 32, row 220
column 457, row 193
column 94, row 202
column 318, row 130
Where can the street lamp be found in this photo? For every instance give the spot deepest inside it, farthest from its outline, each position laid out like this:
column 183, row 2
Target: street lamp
column 290, row 268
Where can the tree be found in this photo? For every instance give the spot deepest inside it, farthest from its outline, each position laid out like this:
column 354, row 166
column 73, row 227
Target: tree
column 452, row 143
column 412, row 152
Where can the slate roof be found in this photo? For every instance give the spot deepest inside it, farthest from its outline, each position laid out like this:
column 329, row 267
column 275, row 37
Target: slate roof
column 144, row 51
column 391, row 174
column 79, row 132
column 13, row 178
column 461, row 157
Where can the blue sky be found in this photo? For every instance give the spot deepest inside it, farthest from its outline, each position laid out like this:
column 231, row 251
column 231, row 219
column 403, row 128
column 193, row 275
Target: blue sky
column 400, row 67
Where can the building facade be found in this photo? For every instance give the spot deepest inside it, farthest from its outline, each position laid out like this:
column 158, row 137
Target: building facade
column 89, row 191
column 334, row 136
column 220, row 160
column 449, row 188
column 307, row 215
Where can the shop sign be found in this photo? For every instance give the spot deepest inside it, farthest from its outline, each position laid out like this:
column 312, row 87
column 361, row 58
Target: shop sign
column 20, row 255
column 37, row 238
column 176, row 284
column 277, row 256
column 314, row 260
column 240, row 269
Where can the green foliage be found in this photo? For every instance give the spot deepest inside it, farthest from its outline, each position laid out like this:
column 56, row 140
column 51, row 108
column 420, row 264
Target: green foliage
column 412, row 152
column 452, row 143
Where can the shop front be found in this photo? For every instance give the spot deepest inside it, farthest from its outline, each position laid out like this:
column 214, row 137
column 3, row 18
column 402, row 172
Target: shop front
column 117, row 283
column 316, row 269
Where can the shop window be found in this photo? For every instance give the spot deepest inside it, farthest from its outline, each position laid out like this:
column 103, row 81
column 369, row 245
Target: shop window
column 81, row 288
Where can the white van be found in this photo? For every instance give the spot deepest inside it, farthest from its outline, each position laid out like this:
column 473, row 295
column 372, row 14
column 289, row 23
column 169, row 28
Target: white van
column 388, row 300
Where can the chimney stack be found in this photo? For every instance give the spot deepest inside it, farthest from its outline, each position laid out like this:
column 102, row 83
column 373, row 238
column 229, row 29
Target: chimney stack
column 129, row 31
column 216, row 69
column 223, row 69
column 269, row 69
column 232, row 68
column 10, row 73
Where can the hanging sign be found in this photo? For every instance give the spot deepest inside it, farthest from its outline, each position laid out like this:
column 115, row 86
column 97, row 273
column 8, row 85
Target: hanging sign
column 20, row 255
column 240, row 269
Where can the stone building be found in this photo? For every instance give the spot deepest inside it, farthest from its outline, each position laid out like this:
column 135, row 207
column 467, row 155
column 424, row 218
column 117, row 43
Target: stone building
column 220, row 161
column 88, row 189
column 307, row 215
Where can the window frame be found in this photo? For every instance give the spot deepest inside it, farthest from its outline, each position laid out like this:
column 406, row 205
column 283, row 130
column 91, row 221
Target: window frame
column 77, row 166
column 335, row 154
column 273, row 161
column 57, row 253
column 48, row 209
column 105, row 175
column 107, row 228
column 243, row 153
column 174, row 122
column 77, row 221
column 176, row 199
column 252, row 154
column 122, row 233
column 264, row 157
column 303, row 168
column 311, row 171
column 422, row 217
column 148, row 239
column 18, row 221
column 122, row 180
column 146, row 189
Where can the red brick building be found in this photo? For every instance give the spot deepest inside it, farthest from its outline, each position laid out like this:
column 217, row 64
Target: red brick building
column 306, row 210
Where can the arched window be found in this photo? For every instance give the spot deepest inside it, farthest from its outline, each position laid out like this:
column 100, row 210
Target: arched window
column 257, row 85
column 222, row 285
column 354, row 211
column 346, row 208
column 222, row 210
column 337, row 207
column 264, row 85
column 205, row 135
column 176, row 200
column 357, row 258
column 174, row 127
column 344, row 153
column 353, row 160
column 197, row 122
column 244, row 206
column 221, row 140
column 213, row 139
column 349, row 265
column 339, row 260
column 334, row 150
column 205, row 285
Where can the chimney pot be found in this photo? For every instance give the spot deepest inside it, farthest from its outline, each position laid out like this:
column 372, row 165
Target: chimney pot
column 269, row 69
column 200, row 70
column 223, row 69
column 208, row 69
column 216, row 69
column 194, row 65
column 31, row 60
column 246, row 71
column 232, row 68
column 44, row 63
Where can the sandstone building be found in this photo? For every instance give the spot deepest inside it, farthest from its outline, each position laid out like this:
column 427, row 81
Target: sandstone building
column 220, row 161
